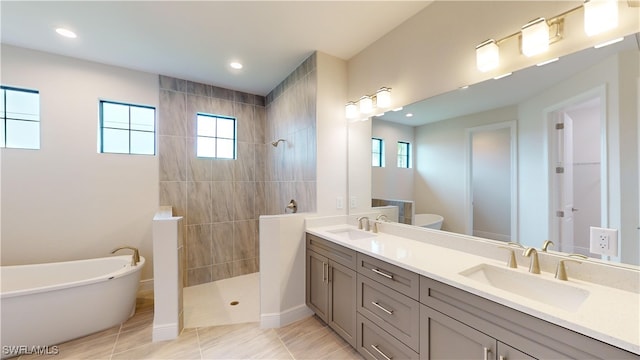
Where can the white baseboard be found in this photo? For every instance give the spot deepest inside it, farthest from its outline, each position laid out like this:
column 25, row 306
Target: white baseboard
column 165, row 332
column 276, row 320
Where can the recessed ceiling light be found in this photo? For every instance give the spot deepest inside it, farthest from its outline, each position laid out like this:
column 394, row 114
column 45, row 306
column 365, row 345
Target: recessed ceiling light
column 236, row 65
column 409, row 115
column 66, row 33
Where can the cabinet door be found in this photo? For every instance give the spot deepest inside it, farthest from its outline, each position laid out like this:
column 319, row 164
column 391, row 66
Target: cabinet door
column 317, row 287
column 506, row 352
column 442, row 337
column 342, row 301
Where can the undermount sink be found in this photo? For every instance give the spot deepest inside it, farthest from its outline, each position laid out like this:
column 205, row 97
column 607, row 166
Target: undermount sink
column 352, row 234
column 531, row 286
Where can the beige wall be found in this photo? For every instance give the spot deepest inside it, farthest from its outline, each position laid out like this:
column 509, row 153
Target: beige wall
column 66, row 201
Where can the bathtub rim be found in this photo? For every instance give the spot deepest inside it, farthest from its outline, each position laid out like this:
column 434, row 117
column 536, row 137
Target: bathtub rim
column 121, row 272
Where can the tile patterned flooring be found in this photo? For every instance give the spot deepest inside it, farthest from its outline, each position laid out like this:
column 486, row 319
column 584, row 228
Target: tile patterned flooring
column 309, row 338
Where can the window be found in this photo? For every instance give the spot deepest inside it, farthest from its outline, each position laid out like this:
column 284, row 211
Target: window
column 404, row 149
column 127, row 129
column 377, row 152
column 20, row 111
column 216, row 136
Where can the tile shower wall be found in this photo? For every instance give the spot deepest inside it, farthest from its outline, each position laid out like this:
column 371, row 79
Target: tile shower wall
column 290, row 168
column 220, row 200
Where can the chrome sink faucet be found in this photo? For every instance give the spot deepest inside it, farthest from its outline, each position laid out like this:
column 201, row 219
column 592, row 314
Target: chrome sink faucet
column 366, row 223
column 534, row 265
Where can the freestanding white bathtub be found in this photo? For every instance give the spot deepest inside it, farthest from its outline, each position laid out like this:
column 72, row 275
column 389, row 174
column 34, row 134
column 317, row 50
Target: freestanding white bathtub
column 47, row 304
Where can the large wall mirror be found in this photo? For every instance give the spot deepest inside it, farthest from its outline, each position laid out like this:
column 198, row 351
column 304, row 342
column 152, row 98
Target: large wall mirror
column 542, row 154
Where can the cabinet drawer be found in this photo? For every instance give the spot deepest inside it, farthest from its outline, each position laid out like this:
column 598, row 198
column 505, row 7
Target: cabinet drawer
column 397, row 314
column 375, row 343
column 397, row 278
column 333, row 251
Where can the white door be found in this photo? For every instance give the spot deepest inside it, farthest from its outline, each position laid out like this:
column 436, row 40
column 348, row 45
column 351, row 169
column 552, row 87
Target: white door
column 564, row 175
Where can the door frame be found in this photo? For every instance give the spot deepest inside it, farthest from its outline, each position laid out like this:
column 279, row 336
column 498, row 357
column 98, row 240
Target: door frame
column 513, row 178
column 550, row 117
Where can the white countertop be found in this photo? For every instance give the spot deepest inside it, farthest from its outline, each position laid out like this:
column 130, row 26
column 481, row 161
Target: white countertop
column 609, row 314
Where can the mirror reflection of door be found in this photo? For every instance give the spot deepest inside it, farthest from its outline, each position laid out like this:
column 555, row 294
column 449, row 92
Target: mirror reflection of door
column 577, row 178
column 491, row 182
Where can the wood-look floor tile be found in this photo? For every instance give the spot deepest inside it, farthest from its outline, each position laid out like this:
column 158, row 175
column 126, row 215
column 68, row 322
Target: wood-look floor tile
column 315, row 345
column 251, row 343
column 300, row 328
column 134, row 338
column 184, row 347
column 140, row 320
column 344, row 353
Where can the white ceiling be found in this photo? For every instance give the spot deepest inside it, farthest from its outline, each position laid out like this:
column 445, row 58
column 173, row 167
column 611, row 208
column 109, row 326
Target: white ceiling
column 196, row 40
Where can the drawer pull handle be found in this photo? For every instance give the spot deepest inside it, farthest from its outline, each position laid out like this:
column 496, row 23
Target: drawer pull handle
column 487, row 351
column 382, row 273
column 375, row 347
column 390, row 312
column 324, row 278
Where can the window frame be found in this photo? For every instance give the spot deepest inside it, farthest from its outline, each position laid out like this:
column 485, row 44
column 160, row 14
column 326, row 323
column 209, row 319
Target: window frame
column 380, row 155
column 4, row 89
column 129, row 130
column 406, row 162
column 234, row 138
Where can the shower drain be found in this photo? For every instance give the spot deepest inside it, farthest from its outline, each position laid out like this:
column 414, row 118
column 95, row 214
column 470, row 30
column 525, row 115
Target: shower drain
column 234, row 303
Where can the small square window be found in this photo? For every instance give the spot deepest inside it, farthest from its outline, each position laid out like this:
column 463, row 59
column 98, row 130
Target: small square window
column 377, row 152
column 404, row 149
column 20, row 112
column 216, row 136
column 127, row 128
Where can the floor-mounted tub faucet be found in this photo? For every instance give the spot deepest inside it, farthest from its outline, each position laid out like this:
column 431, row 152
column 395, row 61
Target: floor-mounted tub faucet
column 135, row 258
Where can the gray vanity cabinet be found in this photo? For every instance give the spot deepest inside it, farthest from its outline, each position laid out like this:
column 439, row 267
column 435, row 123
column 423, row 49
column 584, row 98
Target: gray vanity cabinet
column 451, row 313
column 331, row 285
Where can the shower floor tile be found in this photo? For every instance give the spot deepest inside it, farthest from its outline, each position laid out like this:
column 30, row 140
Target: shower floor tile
column 210, row 304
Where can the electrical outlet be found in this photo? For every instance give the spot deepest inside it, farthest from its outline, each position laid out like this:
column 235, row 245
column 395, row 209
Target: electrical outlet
column 339, row 202
column 603, row 241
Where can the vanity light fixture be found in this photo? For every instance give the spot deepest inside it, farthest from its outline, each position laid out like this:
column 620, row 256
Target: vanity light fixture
column 66, row 33
column 351, row 110
column 535, row 37
column 368, row 104
column 600, row 16
column 487, row 55
column 383, row 98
